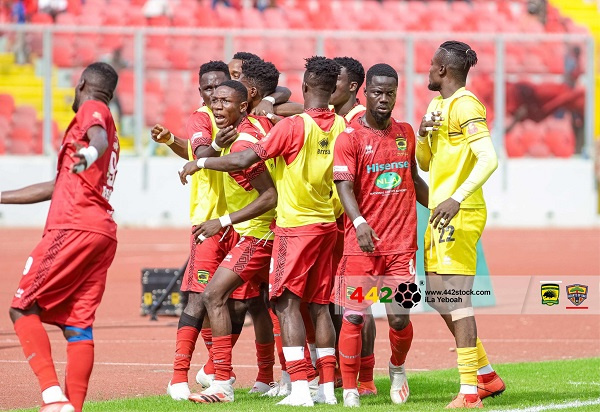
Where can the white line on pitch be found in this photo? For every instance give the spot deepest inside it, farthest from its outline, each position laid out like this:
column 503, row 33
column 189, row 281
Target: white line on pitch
column 540, row 408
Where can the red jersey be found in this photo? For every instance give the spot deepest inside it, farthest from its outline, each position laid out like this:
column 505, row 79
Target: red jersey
column 244, row 177
column 199, row 130
column 81, row 201
column 379, row 162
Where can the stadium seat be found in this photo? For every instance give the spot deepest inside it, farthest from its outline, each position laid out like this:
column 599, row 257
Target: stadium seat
column 24, row 117
column 41, row 18
column 7, row 106
column 21, row 141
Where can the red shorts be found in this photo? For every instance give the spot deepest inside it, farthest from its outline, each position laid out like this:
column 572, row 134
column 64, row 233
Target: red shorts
column 250, row 259
column 338, row 250
column 368, row 272
column 66, row 275
column 303, row 265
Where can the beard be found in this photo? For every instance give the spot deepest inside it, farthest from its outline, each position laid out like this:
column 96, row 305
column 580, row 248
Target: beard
column 381, row 117
column 434, row 87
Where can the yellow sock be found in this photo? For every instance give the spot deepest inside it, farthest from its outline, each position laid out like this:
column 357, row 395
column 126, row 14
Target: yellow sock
column 467, row 365
column 482, row 359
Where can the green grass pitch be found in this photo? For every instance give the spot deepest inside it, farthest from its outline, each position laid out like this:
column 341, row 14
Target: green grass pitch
column 538, row 386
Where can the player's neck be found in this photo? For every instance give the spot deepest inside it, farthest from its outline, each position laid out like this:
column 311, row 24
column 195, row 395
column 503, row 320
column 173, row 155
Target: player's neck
column 450, row 88
column 316, row 102
column 240, row 120
column 345, row 108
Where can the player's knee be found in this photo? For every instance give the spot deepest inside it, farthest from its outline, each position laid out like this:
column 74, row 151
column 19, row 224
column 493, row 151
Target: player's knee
column 398, row 322
column 75, row 334
column 354, row 317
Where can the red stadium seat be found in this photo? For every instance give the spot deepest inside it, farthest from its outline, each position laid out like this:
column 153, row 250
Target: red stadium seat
column 514, row 145
column 7, row 106
column 21, row 141
column 24, row 116
column 4, row 133
column 41, row 18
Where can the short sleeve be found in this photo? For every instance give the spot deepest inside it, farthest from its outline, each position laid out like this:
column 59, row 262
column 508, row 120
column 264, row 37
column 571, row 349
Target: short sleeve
column 199, row 130
column 344, row 158
column 280, row 141
column 244, row 177
column 470, row 115
column 93, row 113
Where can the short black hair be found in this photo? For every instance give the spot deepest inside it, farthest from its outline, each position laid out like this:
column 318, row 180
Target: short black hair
column 381, row 69
column 458, row 57
column 262, row 75
column 356, row 71
column 101, row 76
column 243, row 56
column 214, row 66
column 322, row 73
column 239, row 88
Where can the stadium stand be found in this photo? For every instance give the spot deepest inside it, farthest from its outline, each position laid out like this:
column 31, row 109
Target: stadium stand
column 171, row 56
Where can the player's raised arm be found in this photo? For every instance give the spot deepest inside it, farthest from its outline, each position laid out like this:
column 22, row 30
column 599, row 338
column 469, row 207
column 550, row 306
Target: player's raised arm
column 160, row 134
column 429, row 124
column 39, row 192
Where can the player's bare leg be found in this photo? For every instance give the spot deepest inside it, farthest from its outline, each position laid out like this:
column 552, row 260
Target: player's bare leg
column 400, row 334
column 265, row 344
column 215, row 297
column 366, row 384
column 325, row 341
column 293, row 335
column 187, row 334
column 36, row 347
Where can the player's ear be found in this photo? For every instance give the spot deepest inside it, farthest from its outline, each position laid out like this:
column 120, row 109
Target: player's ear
column 443, row 71
column 353, row 86
column 253, row 91
column 243, row 106
column 304, row 87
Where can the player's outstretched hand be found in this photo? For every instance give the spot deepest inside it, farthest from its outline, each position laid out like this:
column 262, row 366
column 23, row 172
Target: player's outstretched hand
column 365, row 236
column 187, row 170
column 264, row 106
column 444, row 213
column 160, row 134
column 81, row 163
column 226, row 136
column 430, row 122
column 206, row 230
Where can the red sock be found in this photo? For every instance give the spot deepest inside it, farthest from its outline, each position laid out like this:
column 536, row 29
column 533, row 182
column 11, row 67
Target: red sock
column 184, row 348
column 400, row 341
column 366, row 368
column 326, row 368
column 297, row 370
column 350, row 346
column 36, row 347
column 80, row 361
column 278, row 341
column 221, row 350
column 265, row 358
column 209, row 367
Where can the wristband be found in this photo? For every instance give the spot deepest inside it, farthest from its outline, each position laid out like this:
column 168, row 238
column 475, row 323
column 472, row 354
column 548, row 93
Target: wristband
column 270, row 116
column 201, row 161
column 358, row 221
column 215, row 146
column 225, row 220
column 269, row 99
column 171, row 140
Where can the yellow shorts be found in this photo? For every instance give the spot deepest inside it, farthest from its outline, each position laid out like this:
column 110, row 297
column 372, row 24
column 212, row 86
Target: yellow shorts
column 453, row 251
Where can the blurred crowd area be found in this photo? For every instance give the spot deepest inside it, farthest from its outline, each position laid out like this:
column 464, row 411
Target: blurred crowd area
column 545, row 76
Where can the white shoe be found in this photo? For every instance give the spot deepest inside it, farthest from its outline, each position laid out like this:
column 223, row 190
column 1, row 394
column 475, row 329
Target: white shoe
column 322, row 398
column 283, row 388
column 399, row 389
column 218, row 392
column 61, row 406
column 260, row 387
column 351, row 398
column 294, row 400
column 204, row 379
column 178, row 391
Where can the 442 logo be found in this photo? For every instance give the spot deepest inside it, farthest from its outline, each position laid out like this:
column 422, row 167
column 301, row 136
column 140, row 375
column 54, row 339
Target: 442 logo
column 407, row 294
